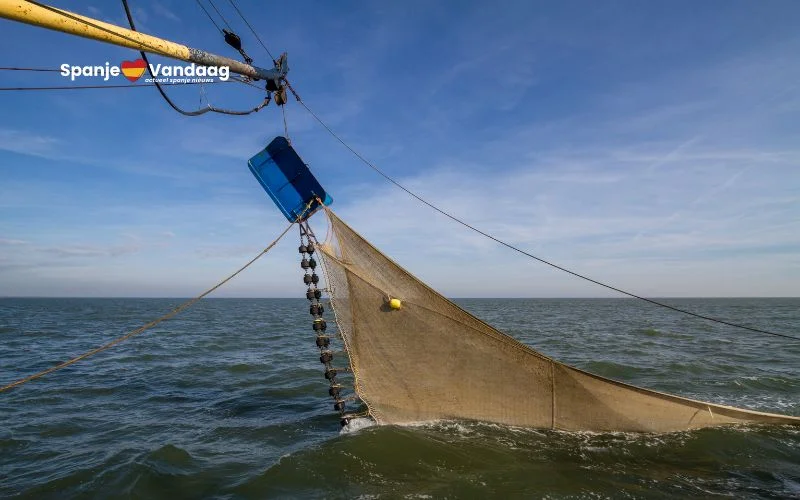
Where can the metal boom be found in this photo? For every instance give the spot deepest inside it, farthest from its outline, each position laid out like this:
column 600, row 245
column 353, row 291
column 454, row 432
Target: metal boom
column 45, row 16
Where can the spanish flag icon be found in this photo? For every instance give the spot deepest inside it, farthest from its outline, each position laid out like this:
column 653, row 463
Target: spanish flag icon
column 133, row 70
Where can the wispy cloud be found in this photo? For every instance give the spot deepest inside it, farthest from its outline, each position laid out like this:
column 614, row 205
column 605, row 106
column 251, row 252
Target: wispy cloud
column 91, row 250
column 628, row 216
column 29, row 143
column 161, row 10
column 12, row 242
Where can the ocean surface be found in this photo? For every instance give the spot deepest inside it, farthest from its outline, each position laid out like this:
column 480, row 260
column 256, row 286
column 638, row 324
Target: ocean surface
column 228, row 400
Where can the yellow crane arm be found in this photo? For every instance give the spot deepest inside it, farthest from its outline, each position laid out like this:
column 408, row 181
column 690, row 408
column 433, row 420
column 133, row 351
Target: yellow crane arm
column 45, row 16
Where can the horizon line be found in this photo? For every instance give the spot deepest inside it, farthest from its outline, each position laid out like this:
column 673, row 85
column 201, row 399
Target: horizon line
column 449, row 298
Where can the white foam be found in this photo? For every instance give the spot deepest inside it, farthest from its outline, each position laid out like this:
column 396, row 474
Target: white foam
column 356, row 425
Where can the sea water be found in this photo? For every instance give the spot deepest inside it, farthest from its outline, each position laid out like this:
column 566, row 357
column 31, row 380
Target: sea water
column 228, row 400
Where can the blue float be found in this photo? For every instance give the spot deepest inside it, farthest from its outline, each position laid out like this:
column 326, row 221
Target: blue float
column 287, row 180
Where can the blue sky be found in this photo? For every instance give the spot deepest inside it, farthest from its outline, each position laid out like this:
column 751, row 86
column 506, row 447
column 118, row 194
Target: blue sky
column 654, row 145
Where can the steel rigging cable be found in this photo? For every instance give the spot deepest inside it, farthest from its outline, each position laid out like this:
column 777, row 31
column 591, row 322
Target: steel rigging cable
column 174, row 106
column 252, row 30
column 209, row 16
column 140, row 43
column 498, row 240
column 523, row 252
column 122, row 86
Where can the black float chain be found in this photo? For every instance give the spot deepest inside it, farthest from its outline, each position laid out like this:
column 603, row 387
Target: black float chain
column 316, row 309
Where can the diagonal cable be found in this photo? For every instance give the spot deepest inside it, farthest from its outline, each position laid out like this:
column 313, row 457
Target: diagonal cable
column 523, row 252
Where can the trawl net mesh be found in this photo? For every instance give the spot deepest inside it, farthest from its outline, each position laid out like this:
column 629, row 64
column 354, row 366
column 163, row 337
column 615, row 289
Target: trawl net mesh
column 432, row 360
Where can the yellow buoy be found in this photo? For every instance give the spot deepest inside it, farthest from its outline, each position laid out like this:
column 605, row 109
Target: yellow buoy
column 395, row 304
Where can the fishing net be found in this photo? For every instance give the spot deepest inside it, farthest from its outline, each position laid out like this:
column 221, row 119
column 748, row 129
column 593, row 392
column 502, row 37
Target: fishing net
column 431, row 360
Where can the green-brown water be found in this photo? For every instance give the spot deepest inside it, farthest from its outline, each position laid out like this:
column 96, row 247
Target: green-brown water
column 228, row 401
